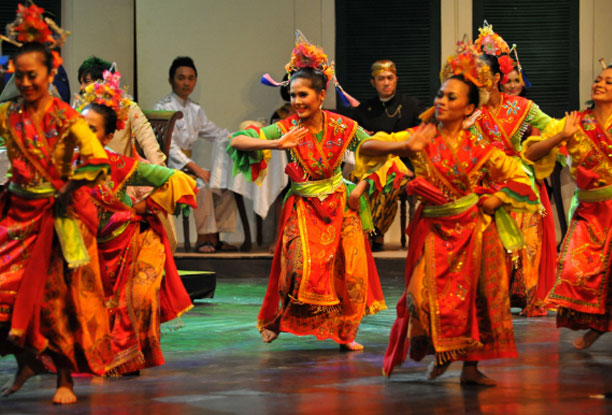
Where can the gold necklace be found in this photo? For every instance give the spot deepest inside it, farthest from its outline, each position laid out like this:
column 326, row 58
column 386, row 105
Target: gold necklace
column 398, row 110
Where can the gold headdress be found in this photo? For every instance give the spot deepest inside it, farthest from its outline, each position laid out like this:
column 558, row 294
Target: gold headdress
column 308, row 55
column 108, row 93
column 466, row 62
column 31, row 26
column 382, row 66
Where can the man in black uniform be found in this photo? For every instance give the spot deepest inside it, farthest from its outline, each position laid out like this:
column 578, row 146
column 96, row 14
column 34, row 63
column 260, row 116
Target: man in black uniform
column 389, row 111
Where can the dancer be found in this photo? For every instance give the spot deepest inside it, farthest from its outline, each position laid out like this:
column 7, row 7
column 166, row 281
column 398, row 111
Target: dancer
column 137, row 131
column 503, row 122
column 50, row 286
column 133, row 246
column 456, row 302
column 323, row 278
column 582, row 289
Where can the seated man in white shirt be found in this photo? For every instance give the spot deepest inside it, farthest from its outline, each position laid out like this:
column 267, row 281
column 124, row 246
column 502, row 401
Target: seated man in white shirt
column 216, row 211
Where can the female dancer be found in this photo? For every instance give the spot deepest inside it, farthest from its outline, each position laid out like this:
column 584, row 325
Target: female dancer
column 503, row 122
column 456, row 301
column 50, row 286
column 582, row 289
column 132, row 243
column 323, row 278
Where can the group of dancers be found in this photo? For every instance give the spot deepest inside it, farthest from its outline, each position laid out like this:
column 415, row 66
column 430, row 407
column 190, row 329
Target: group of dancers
column 87, row 274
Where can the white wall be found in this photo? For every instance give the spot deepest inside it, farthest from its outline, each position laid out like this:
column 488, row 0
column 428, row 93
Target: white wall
column 455, row 22
column 101, row 28
column 595, row 35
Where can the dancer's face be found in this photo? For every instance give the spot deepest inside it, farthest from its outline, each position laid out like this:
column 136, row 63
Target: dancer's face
column 305, row 100
column 184, row 81
column 32, row 77
column 385, row 83
column 451, row 103
column 514, row 86
column 96, row 122
column 601, row 91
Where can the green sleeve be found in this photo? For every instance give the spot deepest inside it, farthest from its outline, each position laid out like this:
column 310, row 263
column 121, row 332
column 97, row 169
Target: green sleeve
column 537, row 118
column 359, row 136
column 252, row 164
column 147, row 174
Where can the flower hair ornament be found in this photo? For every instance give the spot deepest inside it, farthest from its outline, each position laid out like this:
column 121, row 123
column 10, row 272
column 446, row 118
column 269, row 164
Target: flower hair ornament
column 108, row 93
column 466, row 62
column 491, row 43
column 31, row 26
column 307, row 55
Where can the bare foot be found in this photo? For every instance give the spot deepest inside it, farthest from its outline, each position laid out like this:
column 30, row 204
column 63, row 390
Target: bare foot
column 587, row 339
column 351, row 347
column 268, row 336
column 434, row 370
column 27, row 366
column 64, row 396
column 470, row 375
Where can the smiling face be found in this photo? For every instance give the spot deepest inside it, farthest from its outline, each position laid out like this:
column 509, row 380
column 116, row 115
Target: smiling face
column 601, row 91
column 32, row 77
column 184, row 81
column 305, row 100
column 451, row 103
column 515, row 85
column 385, row 83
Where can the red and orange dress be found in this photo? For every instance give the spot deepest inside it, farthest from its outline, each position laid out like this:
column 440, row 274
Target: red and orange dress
column 51, row 294
column 582, row 291
column 142, row 286
column 323, row 278
column 456, row 301
column 534, row 274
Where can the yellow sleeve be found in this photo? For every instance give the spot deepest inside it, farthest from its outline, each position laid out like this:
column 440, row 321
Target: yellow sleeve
column 367, row 164
column 93, row 161
column 179, row 189
column 517, row 191
column 544, row 166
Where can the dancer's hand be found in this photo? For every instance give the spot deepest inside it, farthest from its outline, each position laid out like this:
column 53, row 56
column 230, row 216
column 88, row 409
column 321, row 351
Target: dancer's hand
column 423, row 136
column 490, row 204
column 354, row 201
column 140, row 207
column 64, row 198
column 291, row 138
column 572, row 124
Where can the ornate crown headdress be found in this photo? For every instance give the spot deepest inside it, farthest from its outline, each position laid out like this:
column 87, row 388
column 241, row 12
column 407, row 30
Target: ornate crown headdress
column 307, row 55
column 466, row 62
column 31, row 26
column 491, row 43
column 106, row 92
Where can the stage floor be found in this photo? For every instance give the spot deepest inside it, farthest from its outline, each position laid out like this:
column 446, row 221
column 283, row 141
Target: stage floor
column 217, row 364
